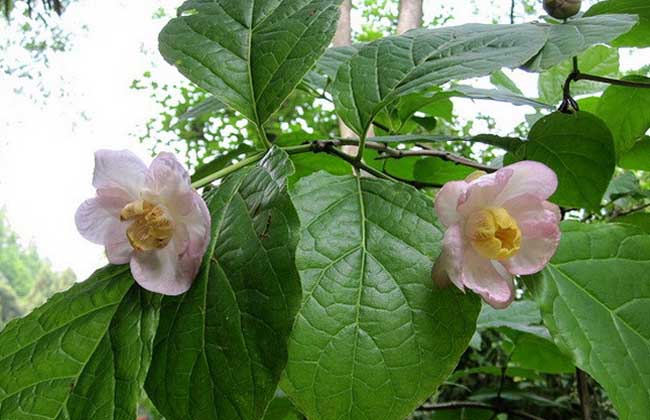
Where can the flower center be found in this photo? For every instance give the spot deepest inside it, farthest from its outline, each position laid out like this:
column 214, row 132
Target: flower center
column 493, row 233
column 151, row 229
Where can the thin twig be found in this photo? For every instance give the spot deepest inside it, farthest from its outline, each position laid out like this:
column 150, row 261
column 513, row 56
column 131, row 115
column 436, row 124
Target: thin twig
column 618, row 82
column 453, row 405
column 632, row 210
column 328, row 147
column 583, row 394
column 442, row 154
column 391, row 153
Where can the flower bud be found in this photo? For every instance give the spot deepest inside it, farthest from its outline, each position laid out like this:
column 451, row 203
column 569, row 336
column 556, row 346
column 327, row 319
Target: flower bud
column 562, row 9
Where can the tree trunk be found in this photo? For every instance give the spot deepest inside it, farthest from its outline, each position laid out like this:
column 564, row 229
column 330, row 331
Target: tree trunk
column 342, row 38
column 410, row 15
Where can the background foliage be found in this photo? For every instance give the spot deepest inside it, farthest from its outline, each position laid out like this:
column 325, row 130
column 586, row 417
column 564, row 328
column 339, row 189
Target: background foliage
column 371, row 337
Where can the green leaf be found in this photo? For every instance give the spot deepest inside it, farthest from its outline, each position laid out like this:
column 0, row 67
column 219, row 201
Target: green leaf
column 638, row 157
column 208, row 106
column 519, row 316
column 640, row 220
column 221, row 347
column 372, row 339
column 594, row 298
column 626, row 111
column 499, row 95
column 600, row 60
column 327, row 66
column 84, row 354
column 282, row 409
column 500, row 80
column 639, row 36
column 310, row 163
column 575, row 36
column 438, row 171
column 624, row 185
column 386, row 69
column 534, row 352
column 579, row 148
column 250, row 54
column 221, row 162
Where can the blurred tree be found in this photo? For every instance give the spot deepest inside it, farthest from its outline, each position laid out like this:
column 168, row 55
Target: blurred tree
column 56, row 6
column 26, row 279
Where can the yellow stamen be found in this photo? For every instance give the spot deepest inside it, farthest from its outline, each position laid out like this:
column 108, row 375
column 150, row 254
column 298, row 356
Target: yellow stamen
column 151, row 229
column 493, row 233
column 475, row 175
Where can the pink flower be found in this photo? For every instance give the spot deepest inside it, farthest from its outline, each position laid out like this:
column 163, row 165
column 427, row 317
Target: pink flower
column 497, row 226
column 150, row 217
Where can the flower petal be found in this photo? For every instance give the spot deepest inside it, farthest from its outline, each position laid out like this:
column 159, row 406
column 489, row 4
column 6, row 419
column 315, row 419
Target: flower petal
column 169, row 181
column 529, row 177
column 447, row 201
column 449, row 264
column 160, row 271
column 119, row 252
column 98, row 219
column 487, row 278
column 119, row 169
column 539, row 224
column 482, row 192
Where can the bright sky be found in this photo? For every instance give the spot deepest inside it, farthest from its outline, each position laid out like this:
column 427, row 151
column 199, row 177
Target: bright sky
column 46, row 152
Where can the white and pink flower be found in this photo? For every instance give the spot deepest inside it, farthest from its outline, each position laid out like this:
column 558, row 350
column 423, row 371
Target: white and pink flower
column 497, row 226
column 149, row 217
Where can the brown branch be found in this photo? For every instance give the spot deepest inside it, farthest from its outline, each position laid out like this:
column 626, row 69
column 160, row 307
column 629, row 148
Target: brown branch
column 442, row 154
column 630, row 211
column 583, row 394
column 453, row 405
column 618, row 82
column 328, row 147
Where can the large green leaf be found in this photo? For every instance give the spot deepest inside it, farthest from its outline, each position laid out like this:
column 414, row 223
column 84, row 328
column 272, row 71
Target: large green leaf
column 575, row 36
column 372, row 339
column 579, row 148
column 536, row 352
column 500, row 95
column 250, row 54
column 221, row 347
column 640, row 220
column 600, row 60
column 594, row 299
column 84, row 354
column 438, row 171
column 638, row 157
column 386, row 69
column 639, row 36
column 519, row 315
column 626, row 111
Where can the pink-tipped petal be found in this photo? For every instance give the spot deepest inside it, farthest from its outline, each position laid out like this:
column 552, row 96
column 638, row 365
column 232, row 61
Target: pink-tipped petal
column 98, row 219
column 169, row 180
column 447, row 202
column 529, row 177
column 488, row 279
column 482, row 192
column 448, row 265
column 540, row 234
column 119, row 169
column 119, row 252
column 160, row 271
